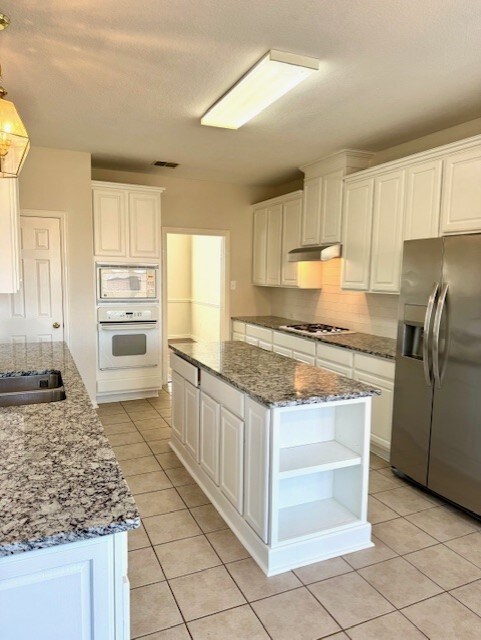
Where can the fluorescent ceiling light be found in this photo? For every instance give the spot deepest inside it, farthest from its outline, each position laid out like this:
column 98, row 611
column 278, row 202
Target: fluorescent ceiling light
column 274, row 75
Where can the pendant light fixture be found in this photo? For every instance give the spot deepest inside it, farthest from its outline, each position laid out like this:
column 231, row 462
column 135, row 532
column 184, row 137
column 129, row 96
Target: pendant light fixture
column 14, row 142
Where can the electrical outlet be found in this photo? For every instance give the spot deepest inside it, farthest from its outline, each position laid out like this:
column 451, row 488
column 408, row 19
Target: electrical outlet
column 233, row 285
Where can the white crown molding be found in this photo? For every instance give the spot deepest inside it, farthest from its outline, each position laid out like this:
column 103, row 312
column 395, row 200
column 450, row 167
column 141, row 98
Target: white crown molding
column 99, row 184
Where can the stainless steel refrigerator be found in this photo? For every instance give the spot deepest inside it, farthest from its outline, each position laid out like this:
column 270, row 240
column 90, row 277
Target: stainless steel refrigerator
column 436, row 437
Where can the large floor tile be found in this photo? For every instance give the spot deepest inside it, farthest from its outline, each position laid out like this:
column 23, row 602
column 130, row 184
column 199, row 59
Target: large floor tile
column 227, row 546
column 402, row 536
column 350, row 599
column 122, row 427
column 239, row 624
column 208, row 518
column 379, row 512
column 152, row 608
column 151, row 423
column 158, row 502
column 178, row 476
column 169, row 460
column 444, row 566
column 444, row 618
column 366, row 557
column 470, row 595
column 295, row 614
column 210, row 591
column 114, row 418
column 322, row 570
column 255, row 585
column 146, row 482
column 130, row 451
column 174, row 633
column 468, row 546
column 138, row 539
column 393, row 626
column 142, row 414
column 157, row 433
column 444, row 523
column 399, row 582
column 159, row 446
column 375, row 462
column 144, row 568
column 137, row 466
column 190, row 555
column 171, row 526
column 405, row 500
column 118, row 439
column 193, row 496
column 379, row 482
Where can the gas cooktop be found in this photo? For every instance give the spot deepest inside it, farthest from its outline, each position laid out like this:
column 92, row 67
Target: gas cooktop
column 315, row 329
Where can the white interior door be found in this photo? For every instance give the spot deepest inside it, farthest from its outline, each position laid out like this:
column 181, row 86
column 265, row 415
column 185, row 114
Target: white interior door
column 35, row 313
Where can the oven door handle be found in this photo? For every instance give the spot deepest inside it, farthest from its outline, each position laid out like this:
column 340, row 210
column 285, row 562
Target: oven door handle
column 135, row 326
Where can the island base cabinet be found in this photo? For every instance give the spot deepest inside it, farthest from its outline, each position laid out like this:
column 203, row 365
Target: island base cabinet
column 73, row 591
column 256, row 487
column 209, row 436
column 232, row 458
column 178, row 385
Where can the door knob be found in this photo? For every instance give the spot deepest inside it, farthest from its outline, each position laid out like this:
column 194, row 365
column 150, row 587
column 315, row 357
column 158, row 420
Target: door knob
column 56, row 325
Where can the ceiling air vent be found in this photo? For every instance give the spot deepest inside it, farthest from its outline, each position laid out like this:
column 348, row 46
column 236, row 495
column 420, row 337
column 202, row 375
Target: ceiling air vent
column 163, row 163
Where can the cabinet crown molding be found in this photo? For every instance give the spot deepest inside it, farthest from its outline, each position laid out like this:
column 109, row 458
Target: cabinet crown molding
column 348, row 160
column 430, row 154
column 279, row 199
column 98, row 184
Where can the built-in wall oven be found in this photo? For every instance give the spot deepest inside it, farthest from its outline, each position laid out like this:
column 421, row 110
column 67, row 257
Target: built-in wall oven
column 126, row 283
column 128, row 337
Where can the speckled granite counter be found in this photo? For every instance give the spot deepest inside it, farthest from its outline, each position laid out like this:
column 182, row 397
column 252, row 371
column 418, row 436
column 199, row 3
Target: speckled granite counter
column 59, row 479
column 363, row 342
column 269, row 378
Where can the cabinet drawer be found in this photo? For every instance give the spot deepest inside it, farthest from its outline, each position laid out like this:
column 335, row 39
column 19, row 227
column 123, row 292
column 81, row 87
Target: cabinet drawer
column 375, row 366
column 185, row 369
column 335, row 355
column 239, row 337
column 223, row 393
column 335, row 368
column 296, row 344
column 238, row 327
column 259, row 332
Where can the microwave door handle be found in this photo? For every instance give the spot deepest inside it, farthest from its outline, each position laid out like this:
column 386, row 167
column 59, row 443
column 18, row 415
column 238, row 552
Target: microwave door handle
column 426, row 331
column 137, row 326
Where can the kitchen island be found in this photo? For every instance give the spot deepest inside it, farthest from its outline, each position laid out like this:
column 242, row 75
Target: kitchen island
column 65, row 510
column 281, row 448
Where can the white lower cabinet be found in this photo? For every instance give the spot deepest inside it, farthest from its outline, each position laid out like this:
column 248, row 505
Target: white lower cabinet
column 209, row 436
column 191, row 419
column 74, row 591
column 178, row 405
column 232, row 458
column 256, row 487
column 335, row 359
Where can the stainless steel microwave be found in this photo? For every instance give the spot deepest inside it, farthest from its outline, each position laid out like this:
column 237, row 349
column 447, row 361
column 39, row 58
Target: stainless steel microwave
column 126, row 282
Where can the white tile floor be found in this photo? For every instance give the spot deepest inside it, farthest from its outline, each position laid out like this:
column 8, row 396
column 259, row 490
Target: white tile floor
column 191, row 578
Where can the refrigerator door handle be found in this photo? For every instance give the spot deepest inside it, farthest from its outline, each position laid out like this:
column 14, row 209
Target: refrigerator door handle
column 436, row 331
column 427, row 326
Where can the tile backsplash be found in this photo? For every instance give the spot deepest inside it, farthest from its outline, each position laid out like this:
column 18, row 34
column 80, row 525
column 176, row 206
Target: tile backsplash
column 366, row 312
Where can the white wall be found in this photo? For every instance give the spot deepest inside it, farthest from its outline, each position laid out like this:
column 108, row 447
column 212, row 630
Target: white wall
column 206, row 287
column 179, row 285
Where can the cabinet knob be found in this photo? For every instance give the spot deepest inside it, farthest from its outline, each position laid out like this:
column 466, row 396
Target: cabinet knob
column 56, row 325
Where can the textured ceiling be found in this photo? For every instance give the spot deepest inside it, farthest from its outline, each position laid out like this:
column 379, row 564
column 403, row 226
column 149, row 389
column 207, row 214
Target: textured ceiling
column 128, row 81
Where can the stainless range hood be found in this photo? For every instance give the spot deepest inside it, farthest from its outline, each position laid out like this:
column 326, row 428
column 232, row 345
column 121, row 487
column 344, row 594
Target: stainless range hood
column 317, row 253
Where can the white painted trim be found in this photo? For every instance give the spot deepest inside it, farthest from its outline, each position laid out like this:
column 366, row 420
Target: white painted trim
column 179, row 301
column 98, row 184
column 225, row 290
column 62, row 217
column 278, row 199
column 381, row 447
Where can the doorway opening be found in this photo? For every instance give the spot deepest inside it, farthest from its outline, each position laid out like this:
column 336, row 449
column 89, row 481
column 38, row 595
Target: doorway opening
column 194, row 292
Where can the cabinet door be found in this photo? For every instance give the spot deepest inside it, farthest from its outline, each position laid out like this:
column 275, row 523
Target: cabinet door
column 311, row 212
column 331, row 207
column 9, row 236
column 381, row 419
column 282, row 351
column 110, row 222
column 232, row 458
column 259, row 247
column 291, row 239
column 423, row 200
column 178, row 406
column 461, row 199
column 387, row 241
column 274, row 245
column 251, row 340
column 144, row 224
column 357, row 227
column 303, row 357
column 191, row 419
column 342, row 369
column 240, row 337
column 256, row 483
column 209, row 436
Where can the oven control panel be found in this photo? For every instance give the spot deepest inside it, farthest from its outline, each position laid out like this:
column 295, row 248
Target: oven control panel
column 127, row 314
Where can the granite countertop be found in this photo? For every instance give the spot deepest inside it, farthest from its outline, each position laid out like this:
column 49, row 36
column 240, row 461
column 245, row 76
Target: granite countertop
column 59, row 479
column 269, row 378
column 363, row 342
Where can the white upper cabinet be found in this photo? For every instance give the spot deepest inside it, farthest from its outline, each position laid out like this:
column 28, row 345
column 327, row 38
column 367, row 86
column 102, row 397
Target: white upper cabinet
column 357, row 226
column 259, row 246
column 291, row 238
column 126, row 221
column 331, row 219
column 461, row 200
column 311, row 214
column 9, row 236
column 387, row 240
column 422, row 201
column 274, row 245
column 144, row 225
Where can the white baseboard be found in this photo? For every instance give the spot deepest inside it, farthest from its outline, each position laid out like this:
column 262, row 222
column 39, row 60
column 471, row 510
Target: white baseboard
column 122, row 396
column 381, row 447
column 180, row 336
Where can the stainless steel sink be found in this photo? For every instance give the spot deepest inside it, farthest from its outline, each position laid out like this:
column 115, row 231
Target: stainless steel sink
column 31, row 388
